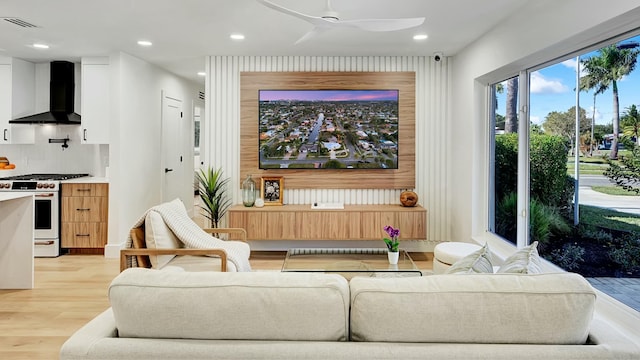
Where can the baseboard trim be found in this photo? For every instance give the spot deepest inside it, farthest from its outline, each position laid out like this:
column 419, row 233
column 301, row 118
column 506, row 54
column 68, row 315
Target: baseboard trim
column 112, row 251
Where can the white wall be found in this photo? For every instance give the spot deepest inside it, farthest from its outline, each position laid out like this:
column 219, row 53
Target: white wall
column 433, row 133
column 43, row 157
column 539, row 32
column 136, row 148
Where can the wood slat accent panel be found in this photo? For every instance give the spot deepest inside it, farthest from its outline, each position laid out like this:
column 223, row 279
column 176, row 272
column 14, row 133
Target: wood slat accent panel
column 354, row 222
column 433, row 132
column 401, row 178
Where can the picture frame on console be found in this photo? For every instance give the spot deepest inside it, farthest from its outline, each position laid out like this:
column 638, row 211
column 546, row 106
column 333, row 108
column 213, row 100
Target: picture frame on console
column 272, row 190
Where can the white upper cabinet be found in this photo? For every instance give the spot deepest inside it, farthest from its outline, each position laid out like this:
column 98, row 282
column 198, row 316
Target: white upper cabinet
column 17, row 84
column 96, row 105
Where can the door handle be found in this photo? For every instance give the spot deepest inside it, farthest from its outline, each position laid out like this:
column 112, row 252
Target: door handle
column 5, row 134
column 166, row 170
column 44, row 242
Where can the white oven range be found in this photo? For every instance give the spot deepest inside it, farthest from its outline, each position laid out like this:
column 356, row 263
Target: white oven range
column 46, row 190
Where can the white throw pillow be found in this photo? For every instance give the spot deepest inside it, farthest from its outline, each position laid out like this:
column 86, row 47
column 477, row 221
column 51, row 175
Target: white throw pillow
column 159, row 236
column 477, row 262
column 523, row 261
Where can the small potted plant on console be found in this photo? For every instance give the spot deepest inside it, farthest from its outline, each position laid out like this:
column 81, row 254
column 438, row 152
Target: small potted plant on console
column 392, row 244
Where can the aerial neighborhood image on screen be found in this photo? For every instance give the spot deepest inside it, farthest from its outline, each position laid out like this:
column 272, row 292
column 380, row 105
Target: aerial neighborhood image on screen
column 328, row 129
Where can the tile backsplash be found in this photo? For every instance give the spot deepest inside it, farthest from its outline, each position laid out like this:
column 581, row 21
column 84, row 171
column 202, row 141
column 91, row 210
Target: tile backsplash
column 45, row 157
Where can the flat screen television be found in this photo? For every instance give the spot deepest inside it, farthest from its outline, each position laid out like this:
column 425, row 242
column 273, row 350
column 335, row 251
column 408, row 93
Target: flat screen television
column 328, row 129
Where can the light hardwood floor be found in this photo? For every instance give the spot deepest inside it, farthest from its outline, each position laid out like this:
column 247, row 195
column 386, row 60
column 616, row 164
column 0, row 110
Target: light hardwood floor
column 69, row 291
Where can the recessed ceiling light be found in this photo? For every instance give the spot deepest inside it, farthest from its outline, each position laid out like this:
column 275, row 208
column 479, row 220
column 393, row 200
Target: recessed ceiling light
column 237, row 36
column 202, row 73
column 420, row 37
column 144, row 43
column 40, row 46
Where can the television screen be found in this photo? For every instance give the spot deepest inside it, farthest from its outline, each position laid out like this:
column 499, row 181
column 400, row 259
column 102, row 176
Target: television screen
column 328, row 129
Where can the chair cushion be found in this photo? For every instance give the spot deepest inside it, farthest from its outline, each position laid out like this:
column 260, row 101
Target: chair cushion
column 198, row 263
column 159, row 236
column 212, row 305
column 477, row 262
column 523, row 261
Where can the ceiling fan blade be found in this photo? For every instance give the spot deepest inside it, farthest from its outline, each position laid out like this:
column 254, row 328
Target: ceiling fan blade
column 313, row 33
column 381, row 24
column 315, row 20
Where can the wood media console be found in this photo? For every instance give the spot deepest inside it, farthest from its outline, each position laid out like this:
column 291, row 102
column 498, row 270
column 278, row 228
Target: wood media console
column 354, row 222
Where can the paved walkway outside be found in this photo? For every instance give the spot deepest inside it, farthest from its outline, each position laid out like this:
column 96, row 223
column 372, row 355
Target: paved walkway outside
column 625, row 290
column 629, row 204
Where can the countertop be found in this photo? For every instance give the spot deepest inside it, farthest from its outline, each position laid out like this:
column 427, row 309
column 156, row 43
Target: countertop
column 4, row 196
column 87, row 180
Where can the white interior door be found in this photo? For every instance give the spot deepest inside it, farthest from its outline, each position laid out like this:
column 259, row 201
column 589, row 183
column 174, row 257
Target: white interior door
column 172, row 149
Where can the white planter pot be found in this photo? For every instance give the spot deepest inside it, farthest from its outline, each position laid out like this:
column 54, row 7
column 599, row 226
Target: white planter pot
column 393, row 257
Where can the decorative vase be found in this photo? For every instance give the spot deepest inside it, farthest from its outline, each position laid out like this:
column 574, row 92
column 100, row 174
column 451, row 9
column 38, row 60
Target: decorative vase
column 259, row 203
column 408, row 198
column 393, row 257
column 248, row 191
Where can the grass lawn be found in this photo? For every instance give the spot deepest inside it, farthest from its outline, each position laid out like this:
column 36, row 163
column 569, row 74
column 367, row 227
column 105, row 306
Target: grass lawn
column 594, row 165
column 609, row 219
column 613, row 190
column 588, row 165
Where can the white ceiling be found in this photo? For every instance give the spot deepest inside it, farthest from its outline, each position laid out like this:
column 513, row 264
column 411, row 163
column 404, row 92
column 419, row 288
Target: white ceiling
column 183, row 32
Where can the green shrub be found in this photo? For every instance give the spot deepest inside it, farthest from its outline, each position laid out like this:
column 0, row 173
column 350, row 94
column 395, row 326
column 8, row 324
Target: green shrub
column 546, row 222
column 506, row 217
column 506, row 165
column 549, row 182
column 569, row 257
column 627, row 254
column 548, row 167
column 599, row 236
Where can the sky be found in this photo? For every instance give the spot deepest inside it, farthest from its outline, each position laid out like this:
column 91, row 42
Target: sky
column 552, row 89
column 328, row 95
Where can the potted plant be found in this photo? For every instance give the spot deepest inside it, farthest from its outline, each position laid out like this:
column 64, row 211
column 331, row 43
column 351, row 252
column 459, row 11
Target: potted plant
column 392, row 243
column 213, row 193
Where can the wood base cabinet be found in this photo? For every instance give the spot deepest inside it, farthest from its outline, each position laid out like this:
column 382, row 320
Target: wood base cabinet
column 84, row 214
column 354, row 222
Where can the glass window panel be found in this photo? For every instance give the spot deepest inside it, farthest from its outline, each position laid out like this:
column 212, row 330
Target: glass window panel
column 504, row 159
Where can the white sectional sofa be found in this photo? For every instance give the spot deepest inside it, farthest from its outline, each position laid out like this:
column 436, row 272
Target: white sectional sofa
column 270, row 315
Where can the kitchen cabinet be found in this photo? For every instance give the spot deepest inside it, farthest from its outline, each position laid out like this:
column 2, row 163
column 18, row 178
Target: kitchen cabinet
column 17, row 88
column 84, row 214
column 95, row 99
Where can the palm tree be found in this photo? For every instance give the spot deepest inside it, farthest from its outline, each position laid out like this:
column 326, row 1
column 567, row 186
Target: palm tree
column 588, row 83
column 606, row 69
column 631, row 123
column 511, row 114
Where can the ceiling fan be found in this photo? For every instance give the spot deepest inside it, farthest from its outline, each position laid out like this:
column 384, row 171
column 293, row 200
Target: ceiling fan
column 330, row 20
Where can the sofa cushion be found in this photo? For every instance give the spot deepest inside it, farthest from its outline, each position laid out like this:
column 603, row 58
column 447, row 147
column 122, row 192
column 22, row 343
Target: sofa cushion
column 151, row 303
column 477, row 308
column 477, row 262
column 523, row 261
column 159, row 236
column 198, row 263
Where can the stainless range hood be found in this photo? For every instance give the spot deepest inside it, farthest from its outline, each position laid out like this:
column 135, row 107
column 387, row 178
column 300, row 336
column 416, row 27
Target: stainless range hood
column 61, row 97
